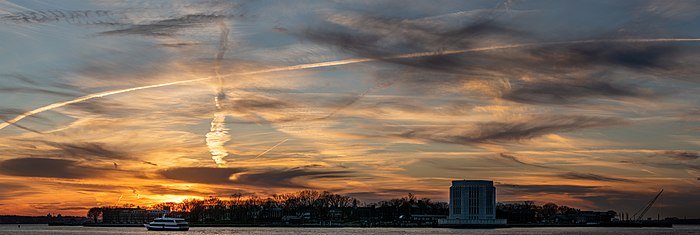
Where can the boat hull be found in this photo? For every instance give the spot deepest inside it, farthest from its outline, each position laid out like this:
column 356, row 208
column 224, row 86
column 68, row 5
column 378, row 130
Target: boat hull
column 165, row 228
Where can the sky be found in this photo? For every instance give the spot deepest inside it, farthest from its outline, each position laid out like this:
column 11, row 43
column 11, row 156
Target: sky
column 590, row 104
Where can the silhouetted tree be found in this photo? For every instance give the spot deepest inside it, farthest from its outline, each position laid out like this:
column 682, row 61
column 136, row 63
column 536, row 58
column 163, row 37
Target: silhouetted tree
column 94, row 213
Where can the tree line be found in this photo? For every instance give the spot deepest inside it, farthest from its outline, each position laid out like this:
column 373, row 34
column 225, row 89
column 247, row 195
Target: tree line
column 305, row 206
column 310, row 206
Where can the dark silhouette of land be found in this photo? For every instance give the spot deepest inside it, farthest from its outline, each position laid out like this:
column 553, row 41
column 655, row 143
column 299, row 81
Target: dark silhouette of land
column 314, row 208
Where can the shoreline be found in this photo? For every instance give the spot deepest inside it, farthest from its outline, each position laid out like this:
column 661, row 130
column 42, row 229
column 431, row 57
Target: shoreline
column 661, row 225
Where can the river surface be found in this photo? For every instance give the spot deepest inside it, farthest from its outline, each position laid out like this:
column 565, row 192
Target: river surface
column 44, row 229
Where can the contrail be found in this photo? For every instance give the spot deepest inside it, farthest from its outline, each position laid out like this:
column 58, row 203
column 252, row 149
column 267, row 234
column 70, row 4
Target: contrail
column 346, row 62
column 89, row 97
column 452, row 52
column 273, row 147
column 22, row 127
column 119, row 200
column 218, row 134
column 223, row 46
column 358, row 98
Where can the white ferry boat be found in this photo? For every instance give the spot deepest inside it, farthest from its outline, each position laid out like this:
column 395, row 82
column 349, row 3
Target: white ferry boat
column 168, row 224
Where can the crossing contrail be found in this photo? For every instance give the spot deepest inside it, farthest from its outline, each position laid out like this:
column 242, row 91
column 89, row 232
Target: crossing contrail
column 23, row 127
column 273, row 147
column 89, row 97
column 345, row 62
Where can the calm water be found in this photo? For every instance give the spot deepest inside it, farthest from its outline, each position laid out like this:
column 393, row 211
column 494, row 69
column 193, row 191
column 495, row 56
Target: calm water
column 44, row 229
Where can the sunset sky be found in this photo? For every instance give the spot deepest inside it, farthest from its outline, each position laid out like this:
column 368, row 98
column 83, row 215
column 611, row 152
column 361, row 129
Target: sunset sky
column 590, row 104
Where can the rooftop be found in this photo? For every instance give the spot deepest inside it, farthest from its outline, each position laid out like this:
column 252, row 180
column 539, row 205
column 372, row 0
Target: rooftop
column 472, row 183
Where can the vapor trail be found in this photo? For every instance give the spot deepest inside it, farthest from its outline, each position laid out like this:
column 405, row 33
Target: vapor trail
column 452, row 52
column 89, row 97
column 346, row 62
column 223, row 46
column 119, row 200
column 22, row 127
column 512, row 46
column 358, row 98
column 218, row 133
column 217, row 136
column 273, row 147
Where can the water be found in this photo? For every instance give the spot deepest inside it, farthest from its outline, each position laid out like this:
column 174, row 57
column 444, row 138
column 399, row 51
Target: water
column 44, row 229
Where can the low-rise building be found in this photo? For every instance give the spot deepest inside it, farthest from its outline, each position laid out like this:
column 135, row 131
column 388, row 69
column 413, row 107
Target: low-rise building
column 130, row 215
column 472, row 202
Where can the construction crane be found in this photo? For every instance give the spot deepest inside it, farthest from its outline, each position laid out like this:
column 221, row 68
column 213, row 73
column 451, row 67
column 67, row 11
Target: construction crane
column 646, row 208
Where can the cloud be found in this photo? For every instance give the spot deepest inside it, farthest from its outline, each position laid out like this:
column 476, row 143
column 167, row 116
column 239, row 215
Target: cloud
column 149, row 163
column 36, row 90
column 48, row 167
column 383, row 194
column 70, row 16
column 74, row 208
column 381, row 37
column 516, row 160
column 628, row 55
column 591, row 176
column 105, row 108
column 560, row 73
column 564, row 91
column 162, row 190
column 11, row 186
column 679, row 155
column 10, row 112
column 363, row 33
column 277, row 178
column 254, row 103
column 515, row 189
column 507, row 132
column 21, row 126
column 86, row 150
column 11, row 190
column 77, row 186
column 287, row 178
column 166, row 27
column 202, row 175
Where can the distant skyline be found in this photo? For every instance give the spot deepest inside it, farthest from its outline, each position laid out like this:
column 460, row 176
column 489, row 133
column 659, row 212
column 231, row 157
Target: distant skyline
column 590, row 104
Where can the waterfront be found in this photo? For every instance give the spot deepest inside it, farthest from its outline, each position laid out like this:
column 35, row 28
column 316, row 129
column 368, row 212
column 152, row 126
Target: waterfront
column 44, row 229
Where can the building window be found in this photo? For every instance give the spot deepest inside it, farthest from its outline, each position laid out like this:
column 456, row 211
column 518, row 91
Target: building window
column 489, row 201
column 474, row 200
column 456, row 201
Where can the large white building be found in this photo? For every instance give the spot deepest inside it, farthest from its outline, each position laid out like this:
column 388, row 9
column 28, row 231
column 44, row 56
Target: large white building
column 472, row 202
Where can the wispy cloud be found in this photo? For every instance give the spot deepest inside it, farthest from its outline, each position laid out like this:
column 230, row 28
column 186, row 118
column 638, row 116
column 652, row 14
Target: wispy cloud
column 515, row 159
column 505, row 132
column 49, row 167
column 679, row 155
column 277, row 178
column 168, row 26
column 591, row 176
